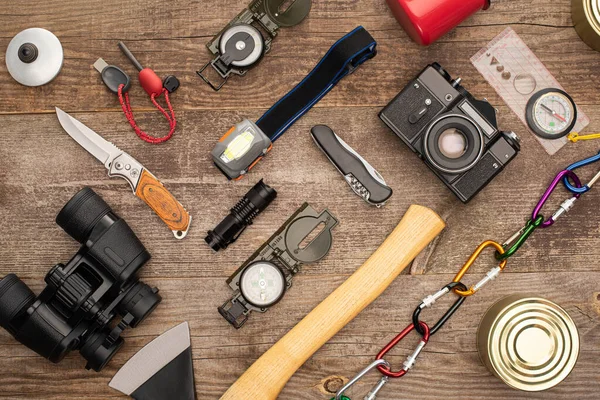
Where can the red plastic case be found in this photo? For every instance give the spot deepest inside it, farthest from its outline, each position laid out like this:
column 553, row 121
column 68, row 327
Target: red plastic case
column 426, row 21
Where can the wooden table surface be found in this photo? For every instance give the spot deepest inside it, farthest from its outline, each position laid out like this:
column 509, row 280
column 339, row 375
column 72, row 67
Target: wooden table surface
column 41, row 167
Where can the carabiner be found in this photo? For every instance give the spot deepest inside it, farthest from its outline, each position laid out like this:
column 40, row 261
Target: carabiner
column 428, row 302
column 374, row 364
column 490, row 275
column 579, row 164
column 514, row 243
column 410, row 360
column 562, row 174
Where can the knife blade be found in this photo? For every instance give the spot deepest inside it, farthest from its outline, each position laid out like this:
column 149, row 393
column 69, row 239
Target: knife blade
column 364, row 180
column 120, row 164
column 161, row 370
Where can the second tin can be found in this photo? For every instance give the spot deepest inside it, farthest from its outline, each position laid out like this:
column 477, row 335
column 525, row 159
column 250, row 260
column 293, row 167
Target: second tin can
column 586, row 17
column 528, row 342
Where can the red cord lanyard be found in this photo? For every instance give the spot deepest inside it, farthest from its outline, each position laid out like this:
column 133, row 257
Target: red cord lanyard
column 126, row 106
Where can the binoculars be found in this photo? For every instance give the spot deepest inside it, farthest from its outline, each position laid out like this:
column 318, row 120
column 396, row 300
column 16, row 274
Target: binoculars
column 76, row 309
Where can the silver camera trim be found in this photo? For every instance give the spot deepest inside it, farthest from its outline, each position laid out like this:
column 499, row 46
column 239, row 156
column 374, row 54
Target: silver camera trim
column 437, row 166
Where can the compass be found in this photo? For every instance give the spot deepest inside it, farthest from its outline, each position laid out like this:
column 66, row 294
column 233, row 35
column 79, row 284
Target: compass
column 262, row 284
column 551, row 113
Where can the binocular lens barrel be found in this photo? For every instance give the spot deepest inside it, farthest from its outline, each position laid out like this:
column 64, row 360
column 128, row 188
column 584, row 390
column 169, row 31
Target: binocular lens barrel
column 140, row 301
column 80, row 215
column 96, row 353
column 15, row 297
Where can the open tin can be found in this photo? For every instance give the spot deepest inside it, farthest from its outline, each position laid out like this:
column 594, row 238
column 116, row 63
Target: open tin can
column 528, row 342
column 586, row 17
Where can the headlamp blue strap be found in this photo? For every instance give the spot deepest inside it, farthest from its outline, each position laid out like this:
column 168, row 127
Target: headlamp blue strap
column 343, row 58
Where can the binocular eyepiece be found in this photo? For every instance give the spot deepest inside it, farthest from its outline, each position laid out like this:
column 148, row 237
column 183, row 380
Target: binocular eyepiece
column 76, row 309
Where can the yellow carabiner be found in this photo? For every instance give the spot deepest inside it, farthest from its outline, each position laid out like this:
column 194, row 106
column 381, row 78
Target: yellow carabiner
column 469, row 263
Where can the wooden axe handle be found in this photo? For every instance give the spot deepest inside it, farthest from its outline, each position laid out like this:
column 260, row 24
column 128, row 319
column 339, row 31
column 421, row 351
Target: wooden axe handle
column 265, row 379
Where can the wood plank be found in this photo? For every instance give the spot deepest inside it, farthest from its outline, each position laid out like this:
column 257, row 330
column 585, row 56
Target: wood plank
column 41, row 168
column 221, row 354
column 496, row 213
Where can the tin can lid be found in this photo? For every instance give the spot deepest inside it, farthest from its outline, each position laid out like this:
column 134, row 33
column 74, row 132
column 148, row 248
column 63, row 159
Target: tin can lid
column 594, row 15
column 530, row 343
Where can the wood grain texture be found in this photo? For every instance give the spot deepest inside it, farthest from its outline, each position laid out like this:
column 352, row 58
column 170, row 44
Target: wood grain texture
column 41, row 168
column 265, row 379
column 164, row 204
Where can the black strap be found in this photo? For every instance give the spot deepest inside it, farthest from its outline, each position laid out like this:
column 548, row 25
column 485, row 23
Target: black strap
column 342, row 58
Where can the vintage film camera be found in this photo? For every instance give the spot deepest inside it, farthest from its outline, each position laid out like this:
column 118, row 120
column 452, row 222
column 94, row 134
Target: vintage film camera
column 82, row 298
column 455, row 134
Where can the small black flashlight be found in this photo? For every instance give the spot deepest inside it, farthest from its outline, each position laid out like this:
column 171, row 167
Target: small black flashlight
column 241, row 215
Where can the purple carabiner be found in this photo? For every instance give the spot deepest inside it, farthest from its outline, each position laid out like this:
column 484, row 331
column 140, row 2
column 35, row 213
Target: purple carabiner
column 536, row 211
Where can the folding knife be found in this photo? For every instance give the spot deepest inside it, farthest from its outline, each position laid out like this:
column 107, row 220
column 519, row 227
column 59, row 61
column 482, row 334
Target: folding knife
column 122, row 165
column 364, row 180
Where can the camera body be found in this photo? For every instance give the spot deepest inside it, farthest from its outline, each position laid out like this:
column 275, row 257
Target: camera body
column 456, row 135
column 76, row 309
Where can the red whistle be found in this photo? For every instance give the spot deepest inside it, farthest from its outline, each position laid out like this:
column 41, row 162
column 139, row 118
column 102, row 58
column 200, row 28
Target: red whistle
column 151, row 82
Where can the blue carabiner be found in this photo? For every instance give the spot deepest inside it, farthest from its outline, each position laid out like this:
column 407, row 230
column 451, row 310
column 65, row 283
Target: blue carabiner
column 576, row 165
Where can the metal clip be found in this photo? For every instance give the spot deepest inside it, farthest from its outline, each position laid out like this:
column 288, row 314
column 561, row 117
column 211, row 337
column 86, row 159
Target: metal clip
column 469, row 263
column 490, row 276
column 372, row 395
column 410, row 360
column 579, row 164
column 429, row 300
column 565, row 207
column 564, row 174
column 514, row 243
column 377, row 388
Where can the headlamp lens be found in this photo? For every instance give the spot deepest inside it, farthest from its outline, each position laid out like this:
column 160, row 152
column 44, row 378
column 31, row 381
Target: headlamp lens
column 238, row 146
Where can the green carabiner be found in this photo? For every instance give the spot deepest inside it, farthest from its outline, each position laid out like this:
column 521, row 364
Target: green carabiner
column 343, row 398
column 518, row 239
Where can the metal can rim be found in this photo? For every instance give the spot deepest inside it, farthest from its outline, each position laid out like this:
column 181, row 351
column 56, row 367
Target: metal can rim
column 500, row 339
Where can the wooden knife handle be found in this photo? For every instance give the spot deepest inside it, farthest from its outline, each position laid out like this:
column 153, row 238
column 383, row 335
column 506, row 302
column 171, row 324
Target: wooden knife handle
column 164, row 204
column 265, row 379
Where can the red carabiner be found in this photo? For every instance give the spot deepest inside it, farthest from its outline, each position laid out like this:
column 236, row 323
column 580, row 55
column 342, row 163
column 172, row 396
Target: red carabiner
column 410, row 360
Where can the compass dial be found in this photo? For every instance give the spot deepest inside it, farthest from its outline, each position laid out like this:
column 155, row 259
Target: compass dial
column 262, row 284
column 551, row 113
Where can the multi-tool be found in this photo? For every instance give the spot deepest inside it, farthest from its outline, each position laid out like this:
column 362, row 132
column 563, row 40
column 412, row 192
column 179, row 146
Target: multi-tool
column 120, row 164
column 364, row 180
column 264, row 278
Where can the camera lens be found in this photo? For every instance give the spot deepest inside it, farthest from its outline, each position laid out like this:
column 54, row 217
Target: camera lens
column 453, row 144
column 95, row 352
column 139, row 301
column 15, row 297
column 79, row 216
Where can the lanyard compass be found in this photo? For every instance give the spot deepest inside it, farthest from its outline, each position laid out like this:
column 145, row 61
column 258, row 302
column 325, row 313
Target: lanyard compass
column 551, row 113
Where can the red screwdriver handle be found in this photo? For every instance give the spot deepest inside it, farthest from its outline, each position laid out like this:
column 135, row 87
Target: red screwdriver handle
column 151, row 82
